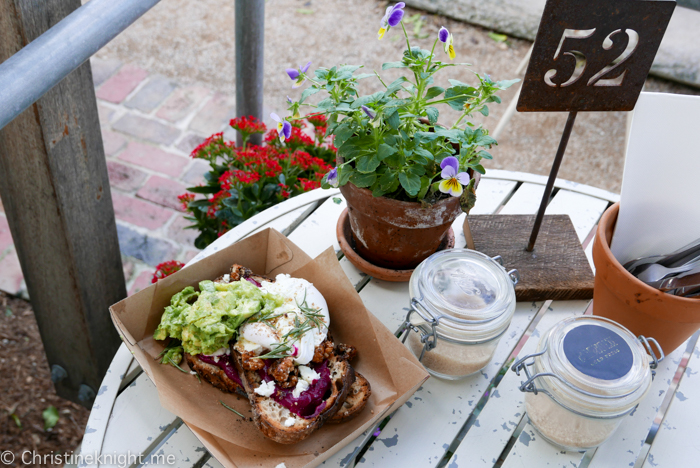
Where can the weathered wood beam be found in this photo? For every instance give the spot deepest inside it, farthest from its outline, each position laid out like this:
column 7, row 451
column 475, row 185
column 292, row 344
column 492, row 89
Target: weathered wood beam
column 250, row 57
column 55, row 191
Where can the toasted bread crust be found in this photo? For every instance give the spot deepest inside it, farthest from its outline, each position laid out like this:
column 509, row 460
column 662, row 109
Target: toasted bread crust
column 214, row 375
column 355, row 402
column 272, row 425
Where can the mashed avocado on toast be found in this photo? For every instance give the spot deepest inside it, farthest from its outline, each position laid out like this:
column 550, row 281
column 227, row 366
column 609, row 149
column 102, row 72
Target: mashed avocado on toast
column 205, row 321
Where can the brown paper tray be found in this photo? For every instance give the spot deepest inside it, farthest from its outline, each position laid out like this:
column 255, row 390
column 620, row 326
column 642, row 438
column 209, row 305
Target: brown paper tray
column 236, row 442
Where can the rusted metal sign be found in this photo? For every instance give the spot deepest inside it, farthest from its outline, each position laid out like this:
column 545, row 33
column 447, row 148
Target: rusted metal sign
column 593, row 55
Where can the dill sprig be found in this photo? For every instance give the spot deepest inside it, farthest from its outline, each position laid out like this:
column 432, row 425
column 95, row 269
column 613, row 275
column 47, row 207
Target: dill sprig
column 312, row 319
column 231, row 409
column 175, row 364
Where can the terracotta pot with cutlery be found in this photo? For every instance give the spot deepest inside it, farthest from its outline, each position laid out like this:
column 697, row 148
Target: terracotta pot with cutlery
column 644, row 310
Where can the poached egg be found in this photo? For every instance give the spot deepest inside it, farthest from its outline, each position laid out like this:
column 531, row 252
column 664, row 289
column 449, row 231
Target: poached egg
column 259, row 336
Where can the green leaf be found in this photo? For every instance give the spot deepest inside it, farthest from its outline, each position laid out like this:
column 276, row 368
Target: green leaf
column 468, row 198
column 364, row 100
column 484, row 154
column 51, row 417
column 344, row 174
column 204, row 189
column 367, row 164
column 385, row 150
column 425, row 153
column 388, row 65
column 363, row 180
column 497, row 37
column 485, row 110
column 480, row 169
column 434, row 92
column 362, row 76
column 394, row 120
column 395, row 86
column 387, row 179
column 505, row 84
column 308, row 92
column 201, row 204
column 410, row 182
column 432, row 114
column 424, row 186
column 459, row 83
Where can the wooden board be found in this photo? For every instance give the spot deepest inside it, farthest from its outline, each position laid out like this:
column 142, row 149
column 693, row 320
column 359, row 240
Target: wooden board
column 556, row 269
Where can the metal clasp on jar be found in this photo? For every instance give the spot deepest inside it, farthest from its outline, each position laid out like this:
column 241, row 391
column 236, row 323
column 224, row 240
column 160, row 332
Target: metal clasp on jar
column 512, row 274
column 529, row 384
column 429, row 339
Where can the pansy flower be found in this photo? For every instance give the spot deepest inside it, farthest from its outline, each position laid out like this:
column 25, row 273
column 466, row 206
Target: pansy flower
column 445, row 37
column 284, row 128
column 368, row 111
column 391, row 18
column 332, row 177
column 298, row 74
column 452, row 181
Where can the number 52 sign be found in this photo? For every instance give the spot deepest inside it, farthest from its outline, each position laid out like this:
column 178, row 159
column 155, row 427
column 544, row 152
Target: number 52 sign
column 593, row 55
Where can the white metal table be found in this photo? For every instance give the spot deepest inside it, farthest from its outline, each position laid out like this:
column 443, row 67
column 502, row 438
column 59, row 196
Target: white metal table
column 474, row 422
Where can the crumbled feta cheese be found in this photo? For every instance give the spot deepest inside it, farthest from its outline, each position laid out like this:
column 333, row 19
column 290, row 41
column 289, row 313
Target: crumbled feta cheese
column 266, row 389
column 302, row 386
column 227, row 278
column 289, row 422
column 308, row 374
column 248, row 346
column 222, row 351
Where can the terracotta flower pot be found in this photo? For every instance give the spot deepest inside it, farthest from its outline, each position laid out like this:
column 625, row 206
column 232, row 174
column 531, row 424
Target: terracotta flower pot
column 623, row 298
column 397, row 234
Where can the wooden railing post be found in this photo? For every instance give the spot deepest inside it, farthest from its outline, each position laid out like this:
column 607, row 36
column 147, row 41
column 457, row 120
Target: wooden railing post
column 56, row 195
column 250, row 50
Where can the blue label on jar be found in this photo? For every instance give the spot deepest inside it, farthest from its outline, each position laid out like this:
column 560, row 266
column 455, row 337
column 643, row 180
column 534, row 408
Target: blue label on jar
column 598, row 352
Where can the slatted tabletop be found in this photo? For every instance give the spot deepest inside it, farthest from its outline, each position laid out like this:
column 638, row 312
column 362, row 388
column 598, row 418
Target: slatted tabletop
column 478, row 421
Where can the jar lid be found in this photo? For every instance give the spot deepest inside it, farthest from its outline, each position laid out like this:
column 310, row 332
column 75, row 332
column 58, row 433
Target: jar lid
column 463, row 284
column 598, row 356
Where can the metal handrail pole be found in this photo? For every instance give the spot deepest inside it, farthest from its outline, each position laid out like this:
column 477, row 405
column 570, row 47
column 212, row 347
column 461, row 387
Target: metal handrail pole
column 43, row 63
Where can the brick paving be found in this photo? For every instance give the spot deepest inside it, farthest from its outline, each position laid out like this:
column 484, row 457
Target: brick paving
column 150, row 124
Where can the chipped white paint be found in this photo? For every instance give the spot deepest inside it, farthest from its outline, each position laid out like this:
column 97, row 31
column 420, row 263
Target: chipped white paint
column 584, row 211
column 486, row 440
column 525, row 200
column 137, row 420
column 104, row 401
column 287, row 222
column 625, row 443
column 676, row 444
column 181, row 450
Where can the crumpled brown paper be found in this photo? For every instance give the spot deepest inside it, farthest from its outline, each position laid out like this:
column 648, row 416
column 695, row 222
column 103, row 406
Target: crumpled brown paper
column 392, row 370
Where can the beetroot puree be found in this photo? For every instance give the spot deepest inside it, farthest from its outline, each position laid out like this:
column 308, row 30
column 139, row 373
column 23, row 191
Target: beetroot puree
column 311, row 402
column 224, row 363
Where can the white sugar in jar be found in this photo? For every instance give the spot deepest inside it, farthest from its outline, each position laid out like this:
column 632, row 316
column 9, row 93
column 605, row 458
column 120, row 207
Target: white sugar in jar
column 588, row 373
column 462, row 302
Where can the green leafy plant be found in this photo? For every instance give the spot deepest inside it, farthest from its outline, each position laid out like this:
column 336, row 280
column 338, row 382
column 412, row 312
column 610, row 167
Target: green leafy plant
column 51, row 417
column 390, row 141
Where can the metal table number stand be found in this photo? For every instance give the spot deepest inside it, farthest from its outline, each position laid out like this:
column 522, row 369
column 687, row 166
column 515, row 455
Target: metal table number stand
column 587, row 56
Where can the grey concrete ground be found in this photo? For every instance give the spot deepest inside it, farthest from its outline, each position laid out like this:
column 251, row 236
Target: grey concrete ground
column 192, row 42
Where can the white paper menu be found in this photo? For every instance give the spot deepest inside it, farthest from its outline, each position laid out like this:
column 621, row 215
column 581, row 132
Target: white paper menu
column 660, row 195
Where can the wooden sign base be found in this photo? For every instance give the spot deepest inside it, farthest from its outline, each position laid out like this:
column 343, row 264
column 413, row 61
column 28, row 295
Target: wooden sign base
column 556, row 269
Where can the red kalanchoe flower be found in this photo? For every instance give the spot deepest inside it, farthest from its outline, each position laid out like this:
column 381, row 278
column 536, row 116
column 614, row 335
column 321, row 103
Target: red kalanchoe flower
column 300, row 138
column 166, row 269
column 317, row 120
column 185, row 199
column 248, row 125
column 198, row 151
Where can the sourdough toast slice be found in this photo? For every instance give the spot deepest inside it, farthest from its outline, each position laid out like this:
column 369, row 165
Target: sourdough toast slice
column 214, row 375
column 355, row 402
column 281, row 425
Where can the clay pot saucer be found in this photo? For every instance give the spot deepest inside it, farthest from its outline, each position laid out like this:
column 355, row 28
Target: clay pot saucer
column 346, row 242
